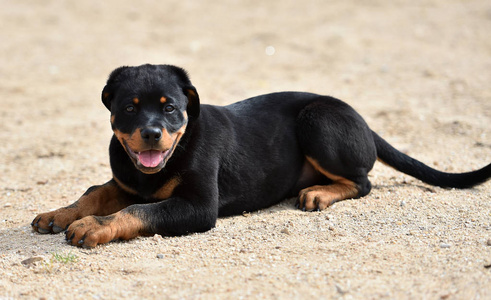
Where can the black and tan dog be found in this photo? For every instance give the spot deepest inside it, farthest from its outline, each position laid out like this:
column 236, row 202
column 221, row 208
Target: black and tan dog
column 178, row 165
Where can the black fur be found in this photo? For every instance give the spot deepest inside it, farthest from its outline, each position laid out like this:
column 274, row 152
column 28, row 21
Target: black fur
column 250, row 155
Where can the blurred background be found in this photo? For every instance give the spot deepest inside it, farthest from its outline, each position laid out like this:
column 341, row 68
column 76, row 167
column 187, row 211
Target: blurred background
column 234, row 49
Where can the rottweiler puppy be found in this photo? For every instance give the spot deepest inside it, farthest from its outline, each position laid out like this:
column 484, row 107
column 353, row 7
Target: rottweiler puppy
column 178, row 165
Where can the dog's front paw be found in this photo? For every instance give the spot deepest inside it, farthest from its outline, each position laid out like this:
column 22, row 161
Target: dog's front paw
column 90, row 231
column 54, row 221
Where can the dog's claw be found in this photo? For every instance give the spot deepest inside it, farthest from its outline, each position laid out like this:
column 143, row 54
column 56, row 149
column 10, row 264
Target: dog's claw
column 69, row 239
column 35, row 223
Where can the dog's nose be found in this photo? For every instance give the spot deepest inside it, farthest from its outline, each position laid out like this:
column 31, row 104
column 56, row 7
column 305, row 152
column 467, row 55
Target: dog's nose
column 151, row 134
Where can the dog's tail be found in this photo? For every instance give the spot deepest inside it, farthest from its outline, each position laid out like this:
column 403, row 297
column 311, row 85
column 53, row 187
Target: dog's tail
column 403, row 163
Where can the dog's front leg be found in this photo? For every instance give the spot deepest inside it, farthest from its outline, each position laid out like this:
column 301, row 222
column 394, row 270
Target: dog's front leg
column 101, row 200
column 174, row 216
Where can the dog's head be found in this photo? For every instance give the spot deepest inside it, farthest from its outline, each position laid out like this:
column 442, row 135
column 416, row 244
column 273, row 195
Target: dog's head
column 150, row 106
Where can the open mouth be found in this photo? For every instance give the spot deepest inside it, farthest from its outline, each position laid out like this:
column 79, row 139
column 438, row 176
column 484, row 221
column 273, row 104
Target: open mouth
column 151, row 158
column 149, row 161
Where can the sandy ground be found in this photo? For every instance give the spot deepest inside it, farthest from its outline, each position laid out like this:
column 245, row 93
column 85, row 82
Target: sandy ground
column 418, row 71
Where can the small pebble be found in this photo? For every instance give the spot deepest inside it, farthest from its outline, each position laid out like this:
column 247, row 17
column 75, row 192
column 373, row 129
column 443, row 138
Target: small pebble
column 160, row 256
column 340, row 289
column 285, row 231
column 488, row 242
column 157, row 237
column 31, row 260
column 444, row 245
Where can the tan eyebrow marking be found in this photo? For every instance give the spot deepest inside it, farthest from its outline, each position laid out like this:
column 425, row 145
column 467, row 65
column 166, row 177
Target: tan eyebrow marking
column 136, row 100
column 163, row 100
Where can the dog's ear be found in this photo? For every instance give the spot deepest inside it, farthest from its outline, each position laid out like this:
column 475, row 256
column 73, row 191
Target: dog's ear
column 193, row 107
column 111, row 86
column 107, row 96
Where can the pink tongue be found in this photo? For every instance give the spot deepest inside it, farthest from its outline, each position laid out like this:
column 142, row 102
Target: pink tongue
column 150, row 158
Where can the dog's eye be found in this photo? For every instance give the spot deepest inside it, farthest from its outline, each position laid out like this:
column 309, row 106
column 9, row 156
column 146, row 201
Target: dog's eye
column 169, row 108
column 130, row 109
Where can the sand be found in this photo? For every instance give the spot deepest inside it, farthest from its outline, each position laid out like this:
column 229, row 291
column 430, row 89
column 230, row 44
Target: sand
column 418, row 71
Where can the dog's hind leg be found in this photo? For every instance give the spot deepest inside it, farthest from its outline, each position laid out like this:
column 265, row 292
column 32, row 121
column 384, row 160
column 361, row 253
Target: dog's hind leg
column 337, row 143
column 319, row 197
